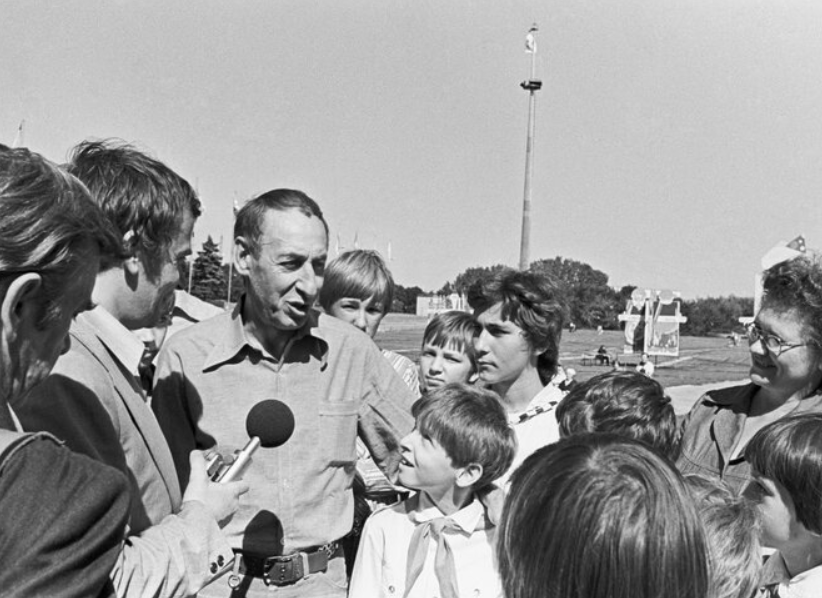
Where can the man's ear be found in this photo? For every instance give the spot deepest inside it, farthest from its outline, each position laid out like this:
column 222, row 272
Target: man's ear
column 469, row 475
column 22, row 303
column 242, row 256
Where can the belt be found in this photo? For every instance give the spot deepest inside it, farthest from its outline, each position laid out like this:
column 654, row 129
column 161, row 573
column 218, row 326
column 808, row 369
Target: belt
column 287, row 569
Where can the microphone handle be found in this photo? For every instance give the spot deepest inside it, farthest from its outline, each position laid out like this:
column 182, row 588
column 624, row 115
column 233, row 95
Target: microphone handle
column 241, row 461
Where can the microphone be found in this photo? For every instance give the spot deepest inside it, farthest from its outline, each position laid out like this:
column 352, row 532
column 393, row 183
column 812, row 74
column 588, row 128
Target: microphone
column 269, row 424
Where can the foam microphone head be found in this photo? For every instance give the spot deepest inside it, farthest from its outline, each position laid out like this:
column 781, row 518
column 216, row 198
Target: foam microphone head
column 271, row 421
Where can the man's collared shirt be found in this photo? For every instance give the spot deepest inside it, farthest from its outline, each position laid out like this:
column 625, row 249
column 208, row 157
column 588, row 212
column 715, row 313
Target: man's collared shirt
column 334, row 380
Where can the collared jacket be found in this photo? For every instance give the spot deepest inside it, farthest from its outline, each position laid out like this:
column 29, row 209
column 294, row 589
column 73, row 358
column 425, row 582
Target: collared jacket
column 713, row 429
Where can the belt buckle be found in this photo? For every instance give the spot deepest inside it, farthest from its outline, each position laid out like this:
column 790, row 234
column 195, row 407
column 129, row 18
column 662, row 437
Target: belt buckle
column 285, row 570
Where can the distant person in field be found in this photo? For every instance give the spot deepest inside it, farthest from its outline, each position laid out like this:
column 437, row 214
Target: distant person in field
column 785, row 344
column 359, row 289
column 518, row 351
column 625, row 403
column 448, row 353
column 646, row 366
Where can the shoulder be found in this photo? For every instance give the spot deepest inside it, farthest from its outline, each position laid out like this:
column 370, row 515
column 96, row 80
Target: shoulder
column 333, row 330
column 389, row 517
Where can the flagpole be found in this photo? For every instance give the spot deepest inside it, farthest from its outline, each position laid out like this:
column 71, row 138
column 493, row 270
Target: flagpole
column 532, row 85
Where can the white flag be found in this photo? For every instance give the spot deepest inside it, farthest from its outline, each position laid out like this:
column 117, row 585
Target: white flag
column 531, row 41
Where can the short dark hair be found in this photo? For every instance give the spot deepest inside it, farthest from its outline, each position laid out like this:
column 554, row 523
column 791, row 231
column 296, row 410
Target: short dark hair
column 471, row 425
column 626, row 403
column 789, row 451
column 359, row 273
column 48, row 223
column 732, row 532
column 143, row 198
column 600, row 516
column 529, row 300
column 457, row 329
column 796, row 284
column 251, row 216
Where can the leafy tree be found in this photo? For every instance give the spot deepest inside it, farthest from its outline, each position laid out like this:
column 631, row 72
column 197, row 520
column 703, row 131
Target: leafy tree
column 715, row 315
column 405, row 299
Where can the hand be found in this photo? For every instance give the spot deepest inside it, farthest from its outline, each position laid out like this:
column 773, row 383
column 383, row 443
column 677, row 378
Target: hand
column 222, row 500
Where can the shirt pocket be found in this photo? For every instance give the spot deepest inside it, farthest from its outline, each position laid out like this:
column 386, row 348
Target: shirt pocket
column 338, row 432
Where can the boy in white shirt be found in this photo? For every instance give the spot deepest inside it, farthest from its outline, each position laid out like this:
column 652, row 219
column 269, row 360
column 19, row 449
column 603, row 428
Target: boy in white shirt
column 440, row 542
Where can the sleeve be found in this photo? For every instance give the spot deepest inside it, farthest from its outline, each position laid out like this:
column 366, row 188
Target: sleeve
column 366, row 578
column 62, row 517
column 67, row 404
column 170, row 402
column 177, row 557
column 385, row 414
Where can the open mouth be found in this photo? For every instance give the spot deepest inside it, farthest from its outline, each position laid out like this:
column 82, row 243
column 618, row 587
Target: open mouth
column 405, row 462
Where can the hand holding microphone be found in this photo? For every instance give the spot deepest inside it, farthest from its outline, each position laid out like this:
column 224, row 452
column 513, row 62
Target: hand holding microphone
column 270, row 424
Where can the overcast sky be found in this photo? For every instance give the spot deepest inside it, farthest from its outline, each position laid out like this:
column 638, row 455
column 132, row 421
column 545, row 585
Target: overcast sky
column 676, row 141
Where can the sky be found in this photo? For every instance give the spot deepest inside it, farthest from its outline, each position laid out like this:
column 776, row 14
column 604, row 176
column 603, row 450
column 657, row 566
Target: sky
column 676, row 140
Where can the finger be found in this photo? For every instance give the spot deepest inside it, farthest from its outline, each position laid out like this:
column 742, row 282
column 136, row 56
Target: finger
column 197, row 463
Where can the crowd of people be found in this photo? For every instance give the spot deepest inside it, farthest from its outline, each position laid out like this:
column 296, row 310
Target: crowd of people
column 481, row 470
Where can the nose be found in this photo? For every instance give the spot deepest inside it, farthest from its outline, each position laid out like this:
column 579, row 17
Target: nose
column 308, row 283
column 481, row 343
column 758, row 347
column 360, row 322
column 436, row 365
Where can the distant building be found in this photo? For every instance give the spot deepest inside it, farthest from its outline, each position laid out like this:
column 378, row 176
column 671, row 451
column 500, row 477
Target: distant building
column 434, row 304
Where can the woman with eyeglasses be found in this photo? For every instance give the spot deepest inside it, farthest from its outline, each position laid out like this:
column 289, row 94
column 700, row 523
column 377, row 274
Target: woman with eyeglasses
column 785, row 341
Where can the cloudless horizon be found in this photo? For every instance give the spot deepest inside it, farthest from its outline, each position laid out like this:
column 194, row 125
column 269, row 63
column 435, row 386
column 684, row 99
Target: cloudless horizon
column 676, row 140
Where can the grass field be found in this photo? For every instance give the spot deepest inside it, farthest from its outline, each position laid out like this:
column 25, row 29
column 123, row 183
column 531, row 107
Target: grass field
column 701, row 361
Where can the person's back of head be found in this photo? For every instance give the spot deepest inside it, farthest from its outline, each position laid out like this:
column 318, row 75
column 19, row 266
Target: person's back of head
column 360, row 274
column 626, row 403
column 732, row 533
column 600, row 516
column 530, row 301
column 471, row 425
column 48, row 225
column 143, row 198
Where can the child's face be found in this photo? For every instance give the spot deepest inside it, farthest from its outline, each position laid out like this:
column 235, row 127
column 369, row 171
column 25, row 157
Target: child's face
column 443, row 365
column 503, row 352
column 365, row 314
column 776, row 510
column 425, row 465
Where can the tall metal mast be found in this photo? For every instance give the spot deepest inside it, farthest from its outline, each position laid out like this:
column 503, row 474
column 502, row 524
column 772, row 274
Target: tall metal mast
column 532, row 85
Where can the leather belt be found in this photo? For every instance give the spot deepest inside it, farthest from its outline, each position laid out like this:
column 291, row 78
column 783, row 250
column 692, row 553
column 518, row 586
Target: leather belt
column 290, row 568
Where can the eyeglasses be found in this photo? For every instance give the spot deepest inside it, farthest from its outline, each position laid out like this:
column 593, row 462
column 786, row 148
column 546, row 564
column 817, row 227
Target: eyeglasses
column 772, row 343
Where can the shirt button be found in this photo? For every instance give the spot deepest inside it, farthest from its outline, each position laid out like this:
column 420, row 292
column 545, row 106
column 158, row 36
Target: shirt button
column 220, row 560
column 213, row 567
column 390, row 589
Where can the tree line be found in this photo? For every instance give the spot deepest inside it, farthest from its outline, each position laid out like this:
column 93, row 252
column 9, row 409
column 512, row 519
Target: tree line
column 590, row 301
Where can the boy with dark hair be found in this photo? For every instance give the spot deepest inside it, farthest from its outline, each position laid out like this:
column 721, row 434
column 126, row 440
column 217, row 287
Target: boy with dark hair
column 786, row 462
column 448, row 354
column 441, row 541
column 626, row 403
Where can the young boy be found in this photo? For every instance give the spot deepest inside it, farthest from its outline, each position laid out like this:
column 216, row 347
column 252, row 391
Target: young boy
column 626, row 403
column 786, row 464
column 358, row 288
column 441, row 541
column 732, row 532
column 447, row 353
